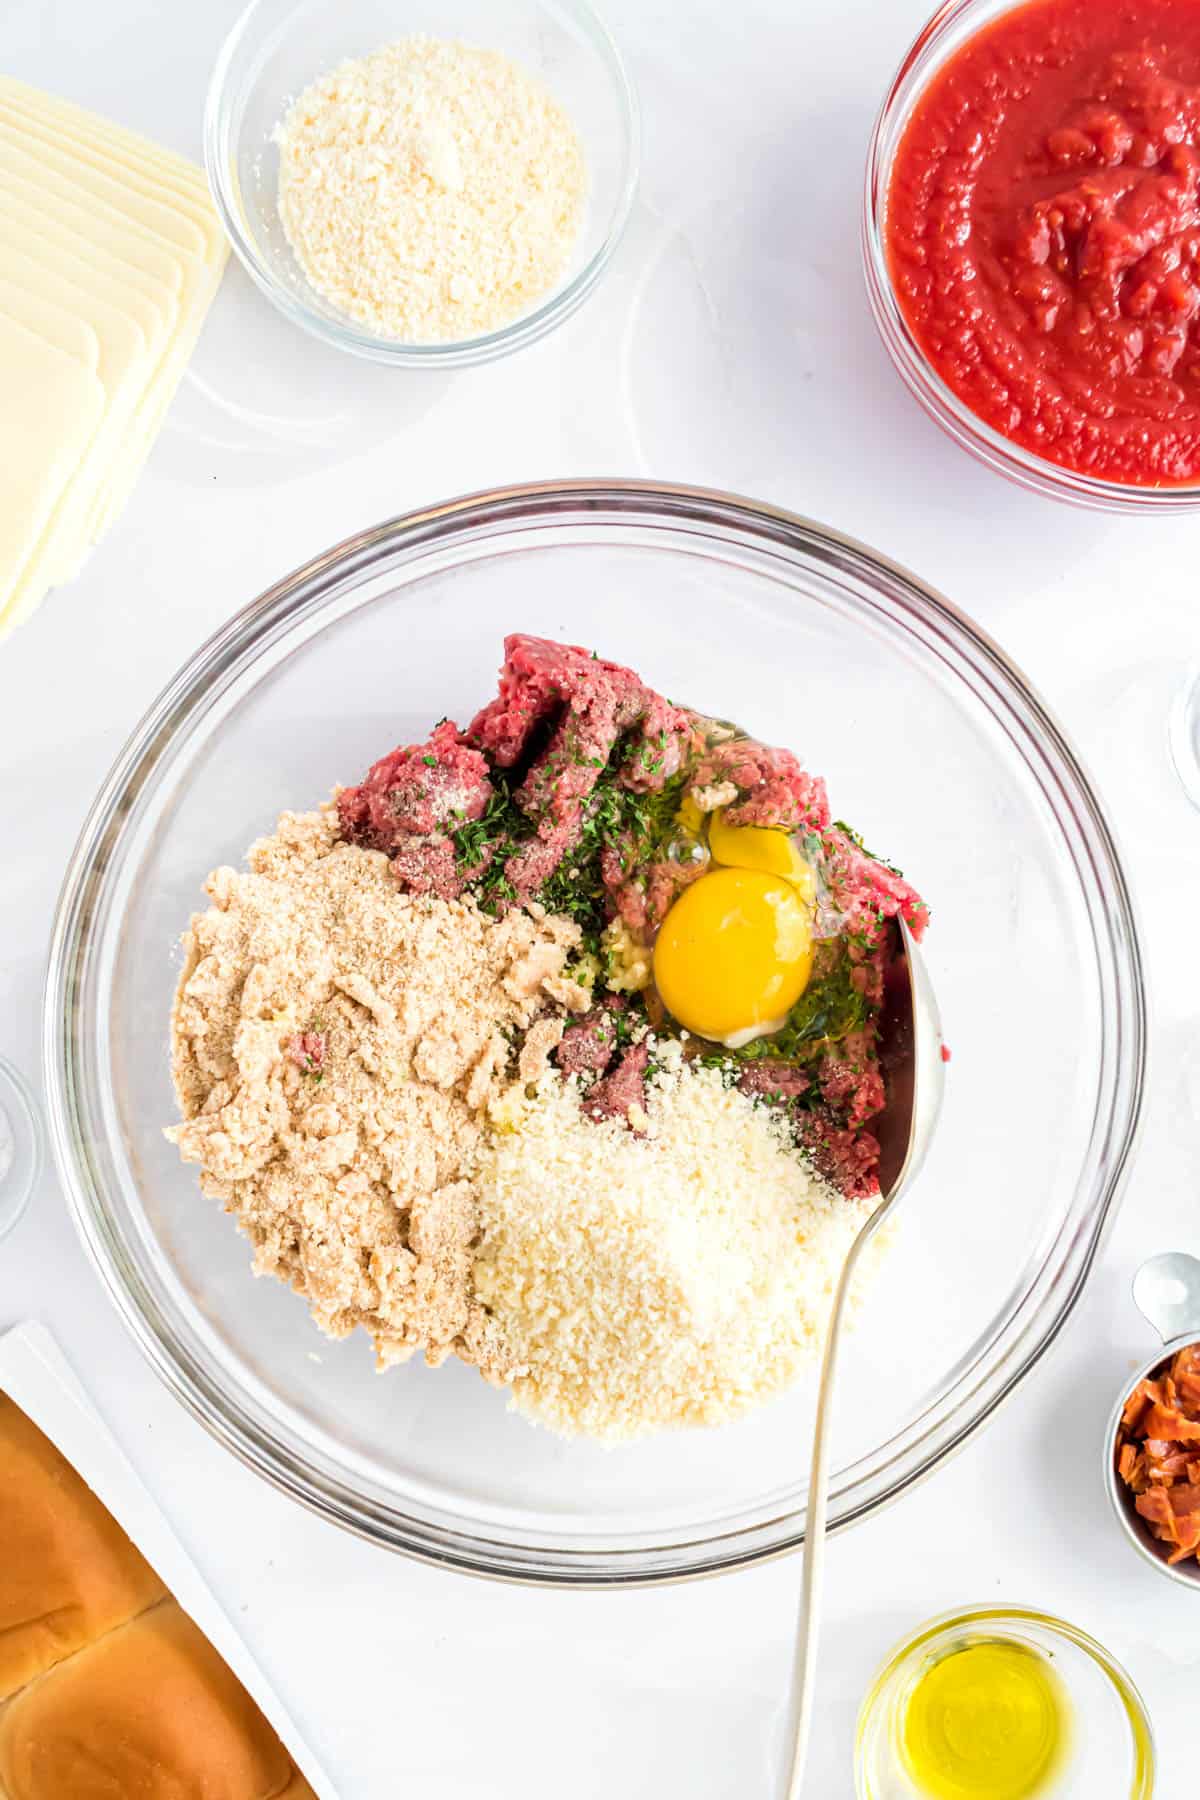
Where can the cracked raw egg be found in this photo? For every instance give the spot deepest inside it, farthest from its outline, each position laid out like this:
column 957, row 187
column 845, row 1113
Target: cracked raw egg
column 734, row 953
column 759, row 847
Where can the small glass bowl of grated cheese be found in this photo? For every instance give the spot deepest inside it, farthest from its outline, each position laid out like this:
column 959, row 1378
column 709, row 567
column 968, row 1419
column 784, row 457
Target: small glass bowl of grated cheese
column 423, row 186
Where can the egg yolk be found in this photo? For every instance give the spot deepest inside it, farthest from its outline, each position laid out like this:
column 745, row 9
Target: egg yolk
column 734, row 954
column 987, row 1722
column 759, row 847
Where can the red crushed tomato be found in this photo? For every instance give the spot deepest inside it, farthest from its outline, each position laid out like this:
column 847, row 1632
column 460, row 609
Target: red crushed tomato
column 1043, row 232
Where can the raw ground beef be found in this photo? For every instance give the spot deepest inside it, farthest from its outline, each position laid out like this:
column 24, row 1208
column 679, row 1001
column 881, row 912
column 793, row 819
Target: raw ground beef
column 418, row 790
column 566, row 721
column 847, row 1159
column 562, row 713
column 772, row 788
column 589, row 1047
column 588, row 706
column 621, row 1094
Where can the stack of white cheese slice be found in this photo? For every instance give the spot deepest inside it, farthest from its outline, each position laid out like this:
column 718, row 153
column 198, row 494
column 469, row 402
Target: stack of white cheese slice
column 110, row 254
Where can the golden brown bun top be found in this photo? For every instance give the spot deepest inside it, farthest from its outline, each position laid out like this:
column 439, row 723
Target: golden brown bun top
column 151, row 1712
column 68, row 1573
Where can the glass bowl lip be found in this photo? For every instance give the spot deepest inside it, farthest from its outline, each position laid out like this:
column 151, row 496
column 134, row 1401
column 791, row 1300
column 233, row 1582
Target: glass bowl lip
column 921, row 61
column 982, row 1613
column 345, row 335
column 15, row 1089
column 1185, row 1574
column 228, row 1414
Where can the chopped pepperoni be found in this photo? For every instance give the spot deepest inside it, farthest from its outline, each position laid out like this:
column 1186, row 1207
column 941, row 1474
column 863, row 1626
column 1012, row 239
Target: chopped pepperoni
column 1156, row 1454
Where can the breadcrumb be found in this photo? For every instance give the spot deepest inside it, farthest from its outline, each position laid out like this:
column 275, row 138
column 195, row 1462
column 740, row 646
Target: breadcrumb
column 432, row 191
column 334, row 1044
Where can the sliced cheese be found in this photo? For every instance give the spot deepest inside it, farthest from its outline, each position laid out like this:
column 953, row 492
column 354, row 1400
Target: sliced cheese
column 28, row 129
column 52, row 405
column 123, row 367
column 57, row 172
column 78, row 120
column 178, row 284
column 110, row 254
column 63, row 329
column 85, row 226
column 139, row 243
column 40, row 240
column 62, row 244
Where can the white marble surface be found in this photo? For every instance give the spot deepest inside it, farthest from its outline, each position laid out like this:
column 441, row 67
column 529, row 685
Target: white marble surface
column 731, row 344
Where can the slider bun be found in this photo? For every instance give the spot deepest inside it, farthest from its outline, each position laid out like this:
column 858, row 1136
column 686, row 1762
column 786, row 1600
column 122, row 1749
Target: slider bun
column 68, row 1573
column 151, row 1712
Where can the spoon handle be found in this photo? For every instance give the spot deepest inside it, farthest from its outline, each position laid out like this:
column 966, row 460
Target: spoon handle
column 808, row 1624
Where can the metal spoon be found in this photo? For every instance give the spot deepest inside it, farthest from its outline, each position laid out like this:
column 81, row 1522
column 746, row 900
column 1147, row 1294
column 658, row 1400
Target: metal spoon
column 1166, row 1291
column 911, row 1056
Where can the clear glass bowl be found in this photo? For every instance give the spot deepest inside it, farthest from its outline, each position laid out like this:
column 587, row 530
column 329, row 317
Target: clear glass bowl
column 949, row 28
column 937, row 750
column 279, row 46
column 1112, row 1745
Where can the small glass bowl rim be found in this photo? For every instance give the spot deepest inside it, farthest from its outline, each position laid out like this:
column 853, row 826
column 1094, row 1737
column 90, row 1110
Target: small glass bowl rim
column 732, row 523
column 14, row 1087
column 944, row 33
column 220, row 164
column 988, row 1612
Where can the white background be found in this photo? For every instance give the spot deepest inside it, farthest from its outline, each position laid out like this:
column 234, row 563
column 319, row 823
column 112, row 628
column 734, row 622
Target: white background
column 731, row 345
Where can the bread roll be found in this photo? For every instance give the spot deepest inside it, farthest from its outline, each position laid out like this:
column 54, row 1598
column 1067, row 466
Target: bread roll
column 151, row 1712
column 108, row 1691
column 68, row 1573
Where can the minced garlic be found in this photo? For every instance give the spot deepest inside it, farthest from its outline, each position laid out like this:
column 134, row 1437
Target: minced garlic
column 626, row 960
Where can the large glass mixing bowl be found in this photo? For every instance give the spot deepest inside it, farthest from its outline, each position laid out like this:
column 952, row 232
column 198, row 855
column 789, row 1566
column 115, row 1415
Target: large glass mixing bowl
column 934, row 747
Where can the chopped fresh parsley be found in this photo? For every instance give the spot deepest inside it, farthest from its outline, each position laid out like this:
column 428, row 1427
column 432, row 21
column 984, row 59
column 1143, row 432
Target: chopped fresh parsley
column 474, row 838
column 639, row 826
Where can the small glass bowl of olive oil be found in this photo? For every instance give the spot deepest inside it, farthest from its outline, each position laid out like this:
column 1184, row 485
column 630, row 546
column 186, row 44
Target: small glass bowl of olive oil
column 1003, row 1703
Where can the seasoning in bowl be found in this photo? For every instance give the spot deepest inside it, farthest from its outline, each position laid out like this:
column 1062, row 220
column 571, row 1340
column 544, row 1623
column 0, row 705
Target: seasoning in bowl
column 431, row 191
column 1158, row 1453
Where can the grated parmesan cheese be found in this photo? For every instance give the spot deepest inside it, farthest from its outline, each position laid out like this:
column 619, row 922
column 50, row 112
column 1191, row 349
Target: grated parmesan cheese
column 677, row 1278
column 431, row 190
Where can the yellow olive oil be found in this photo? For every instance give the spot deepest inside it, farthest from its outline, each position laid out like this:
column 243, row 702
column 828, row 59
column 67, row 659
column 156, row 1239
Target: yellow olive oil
column 988, row 1721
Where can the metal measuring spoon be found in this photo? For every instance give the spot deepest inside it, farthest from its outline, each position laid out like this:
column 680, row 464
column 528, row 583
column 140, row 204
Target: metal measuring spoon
column 913, row 1069
column 1166, row 1291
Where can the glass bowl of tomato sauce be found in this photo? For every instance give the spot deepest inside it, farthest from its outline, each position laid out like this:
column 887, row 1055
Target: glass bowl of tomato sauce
column 1031, row 238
